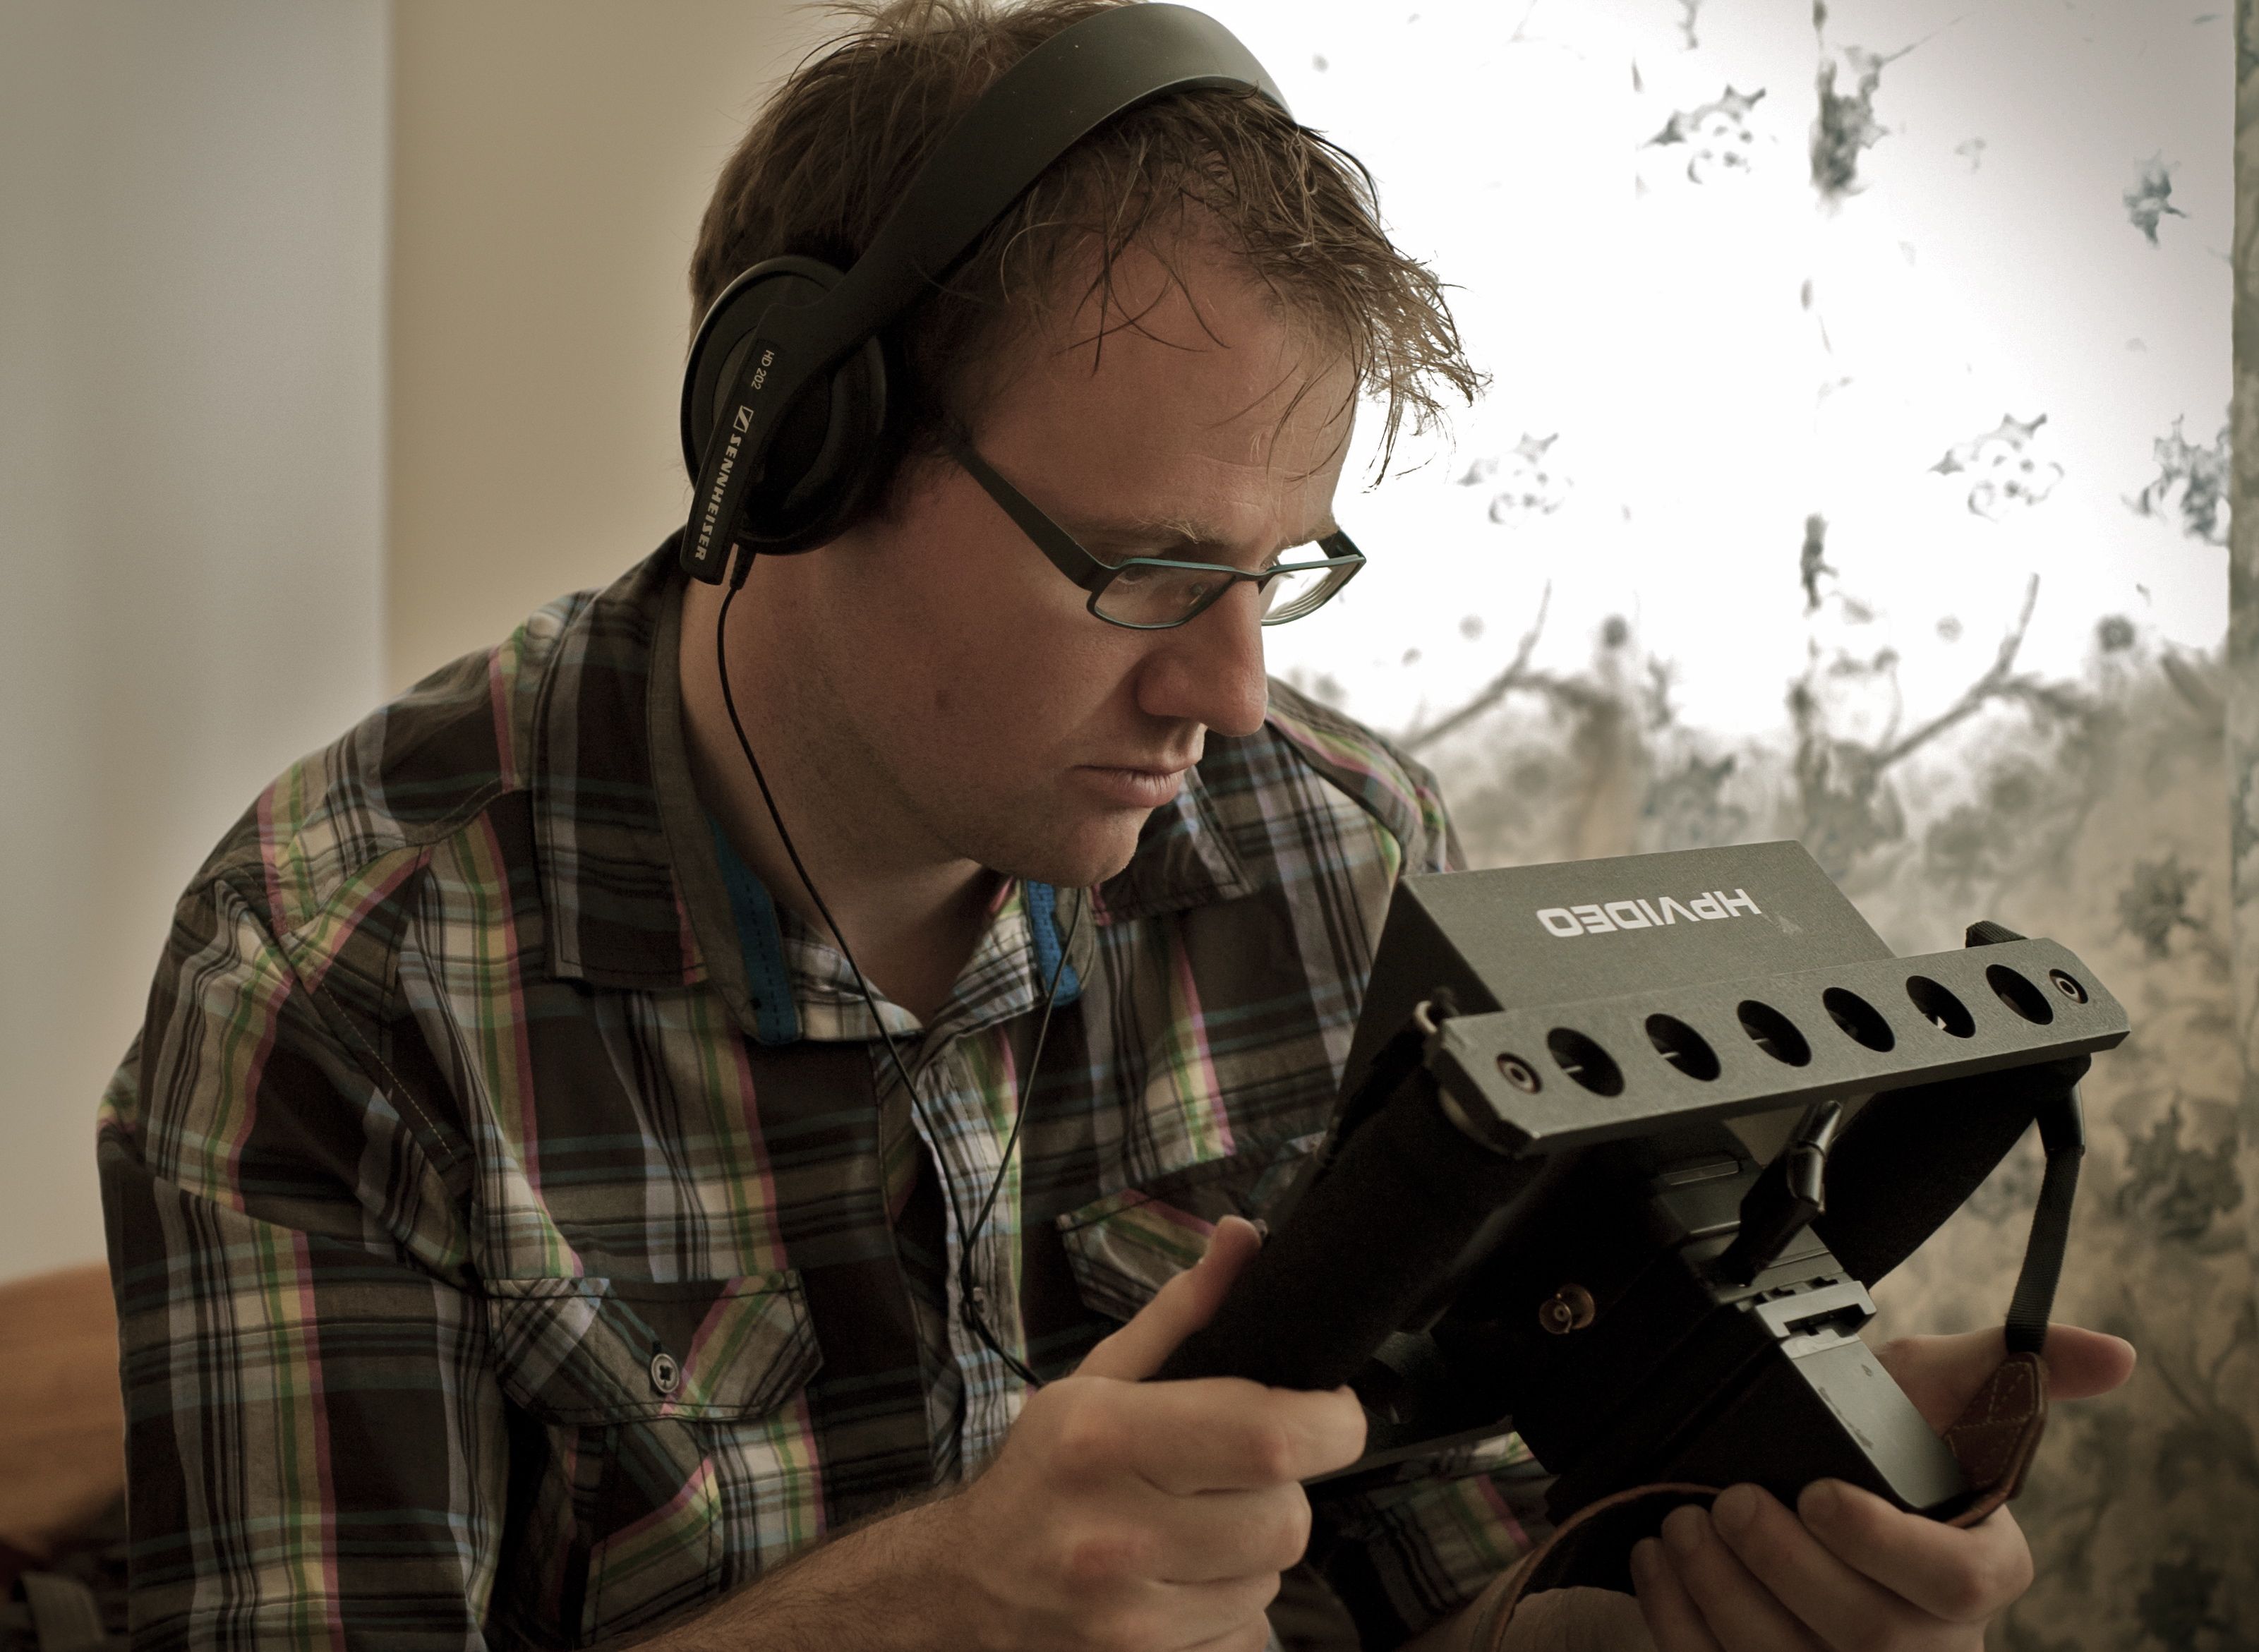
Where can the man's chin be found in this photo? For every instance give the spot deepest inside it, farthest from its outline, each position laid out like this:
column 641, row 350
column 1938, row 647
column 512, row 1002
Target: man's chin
column 1086, row 859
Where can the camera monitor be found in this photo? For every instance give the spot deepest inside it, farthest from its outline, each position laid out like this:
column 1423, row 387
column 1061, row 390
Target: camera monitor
column 1533, row 1209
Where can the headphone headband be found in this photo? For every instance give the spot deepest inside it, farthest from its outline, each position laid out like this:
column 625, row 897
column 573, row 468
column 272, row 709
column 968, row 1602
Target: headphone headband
column 1040, row 108
column 1086, row 74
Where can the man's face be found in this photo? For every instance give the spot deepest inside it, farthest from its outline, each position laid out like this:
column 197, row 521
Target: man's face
column 967, row 697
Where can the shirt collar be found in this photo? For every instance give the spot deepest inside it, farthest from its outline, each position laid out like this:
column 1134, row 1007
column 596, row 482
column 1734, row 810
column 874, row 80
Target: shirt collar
column 1184, row 858
column 801, row 985
column 634, row 896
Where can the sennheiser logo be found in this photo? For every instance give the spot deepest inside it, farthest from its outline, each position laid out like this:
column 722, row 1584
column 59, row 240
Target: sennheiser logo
column 741, row 424
column 1605, row 917
column 706, row 523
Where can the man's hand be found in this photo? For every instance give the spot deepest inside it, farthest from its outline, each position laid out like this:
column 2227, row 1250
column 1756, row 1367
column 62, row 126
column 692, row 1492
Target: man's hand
column 1129, row 1516
column 1121, row 1515
column 1847, row 1570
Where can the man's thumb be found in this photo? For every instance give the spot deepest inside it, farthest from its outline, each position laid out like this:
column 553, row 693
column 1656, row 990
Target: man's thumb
column 1178, row 1309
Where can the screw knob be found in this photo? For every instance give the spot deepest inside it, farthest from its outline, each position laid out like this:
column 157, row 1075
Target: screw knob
column 1569, row 1308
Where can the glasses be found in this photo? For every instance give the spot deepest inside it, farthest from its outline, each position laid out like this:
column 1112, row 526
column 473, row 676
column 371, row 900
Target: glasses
column 1151, row 594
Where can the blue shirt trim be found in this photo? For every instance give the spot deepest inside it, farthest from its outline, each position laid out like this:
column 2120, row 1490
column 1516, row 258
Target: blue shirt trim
column 776, row 1018
column 1043, row 927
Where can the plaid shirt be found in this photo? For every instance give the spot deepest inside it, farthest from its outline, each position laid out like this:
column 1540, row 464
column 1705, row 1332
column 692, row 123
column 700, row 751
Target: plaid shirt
column 520, row 1233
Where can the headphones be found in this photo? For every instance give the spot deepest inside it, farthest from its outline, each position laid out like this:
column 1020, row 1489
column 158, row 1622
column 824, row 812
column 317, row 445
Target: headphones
column 788, row 368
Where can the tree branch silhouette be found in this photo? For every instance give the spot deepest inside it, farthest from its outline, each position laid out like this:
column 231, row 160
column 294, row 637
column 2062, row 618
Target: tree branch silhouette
column 1999, row 682
column 1516, row 675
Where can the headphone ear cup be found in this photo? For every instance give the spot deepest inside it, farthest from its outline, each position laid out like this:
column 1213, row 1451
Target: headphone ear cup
column 819, row 468
column 827, row 457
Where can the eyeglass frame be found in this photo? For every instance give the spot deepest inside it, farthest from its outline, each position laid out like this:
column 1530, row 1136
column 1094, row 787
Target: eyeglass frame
column 1066, row 553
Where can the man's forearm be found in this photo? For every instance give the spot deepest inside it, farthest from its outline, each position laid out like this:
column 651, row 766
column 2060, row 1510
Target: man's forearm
column 880, row 1586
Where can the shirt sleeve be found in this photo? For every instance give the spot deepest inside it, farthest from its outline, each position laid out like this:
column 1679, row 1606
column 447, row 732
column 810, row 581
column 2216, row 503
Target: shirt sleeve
column 287, row 1265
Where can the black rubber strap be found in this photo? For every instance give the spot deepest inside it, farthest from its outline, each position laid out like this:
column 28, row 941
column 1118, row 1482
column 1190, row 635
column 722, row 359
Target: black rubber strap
column 2063, row 1132
column 1911, row 1157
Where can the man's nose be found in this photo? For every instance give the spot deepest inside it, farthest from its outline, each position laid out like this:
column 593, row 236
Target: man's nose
column 1209, row 670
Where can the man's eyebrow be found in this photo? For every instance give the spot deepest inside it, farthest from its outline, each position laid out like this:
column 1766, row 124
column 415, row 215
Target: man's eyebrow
column 1180, row 531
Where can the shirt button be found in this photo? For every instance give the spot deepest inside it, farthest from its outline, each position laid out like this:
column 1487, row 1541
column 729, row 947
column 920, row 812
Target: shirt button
column 666, row 1375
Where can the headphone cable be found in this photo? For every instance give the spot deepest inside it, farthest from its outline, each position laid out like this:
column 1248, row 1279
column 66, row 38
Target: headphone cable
column 966, row 1289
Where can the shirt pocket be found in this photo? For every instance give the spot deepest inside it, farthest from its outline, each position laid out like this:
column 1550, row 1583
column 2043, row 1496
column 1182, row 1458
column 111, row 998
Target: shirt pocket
column 589, row 1351
column 656, row 1452
column 1123, row 1248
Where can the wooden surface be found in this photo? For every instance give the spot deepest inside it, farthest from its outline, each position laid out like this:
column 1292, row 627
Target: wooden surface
column 63, row 1447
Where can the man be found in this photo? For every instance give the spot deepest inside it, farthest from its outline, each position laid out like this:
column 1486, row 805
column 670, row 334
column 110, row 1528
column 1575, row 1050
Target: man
column 530, row 1226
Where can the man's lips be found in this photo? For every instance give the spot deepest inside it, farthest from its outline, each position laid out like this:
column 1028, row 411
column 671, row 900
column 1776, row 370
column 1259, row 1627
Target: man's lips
column 1138, row 786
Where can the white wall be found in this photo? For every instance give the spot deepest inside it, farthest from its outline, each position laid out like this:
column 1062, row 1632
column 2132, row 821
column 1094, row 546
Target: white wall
column 192, row 207
column 277, row 285
column 552, row 159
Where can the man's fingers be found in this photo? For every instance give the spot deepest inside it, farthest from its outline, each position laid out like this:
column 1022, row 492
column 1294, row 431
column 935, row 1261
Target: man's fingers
column 1740, row 1612
column 1840, row 1604
column 1219, row 1535
column 1961, row 1574
column 1178, row 1309
column 2082, row 1363
column 1222, row 1434
column 1212, row 1434
column 1673, row 1621
column 1942, row 1374
column 1228, row 1613
column 1254, row 1637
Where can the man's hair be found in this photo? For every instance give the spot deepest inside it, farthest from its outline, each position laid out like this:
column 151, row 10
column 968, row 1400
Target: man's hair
column 837, row 146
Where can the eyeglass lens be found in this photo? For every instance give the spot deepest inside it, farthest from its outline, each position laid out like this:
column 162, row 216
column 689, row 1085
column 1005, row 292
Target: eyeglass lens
column 1150, row 597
